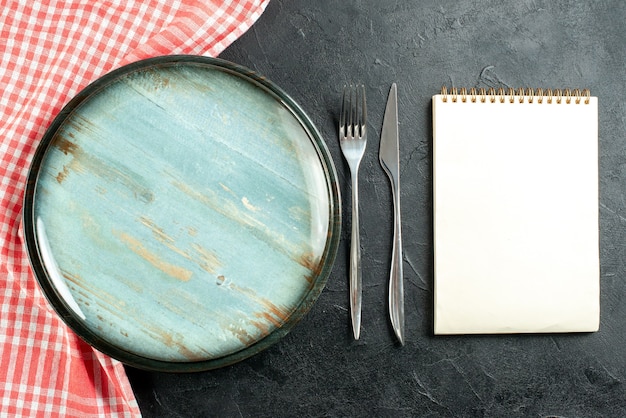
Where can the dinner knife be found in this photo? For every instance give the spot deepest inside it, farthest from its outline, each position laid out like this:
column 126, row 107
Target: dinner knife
column 389, row 156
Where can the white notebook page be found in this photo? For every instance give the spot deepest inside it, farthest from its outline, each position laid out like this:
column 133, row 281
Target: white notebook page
column 516, row 216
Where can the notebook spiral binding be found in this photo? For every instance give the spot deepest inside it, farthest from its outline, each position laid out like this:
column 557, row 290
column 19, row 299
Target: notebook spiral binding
column 511, row 95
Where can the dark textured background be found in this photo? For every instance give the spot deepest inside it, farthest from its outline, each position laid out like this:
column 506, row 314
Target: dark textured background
column 311, row 49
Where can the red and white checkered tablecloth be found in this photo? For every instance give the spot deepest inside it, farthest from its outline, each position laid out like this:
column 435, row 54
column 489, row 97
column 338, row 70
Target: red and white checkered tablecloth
column 50, row 50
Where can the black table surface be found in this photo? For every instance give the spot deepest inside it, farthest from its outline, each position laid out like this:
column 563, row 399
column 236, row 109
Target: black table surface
column 311, row 49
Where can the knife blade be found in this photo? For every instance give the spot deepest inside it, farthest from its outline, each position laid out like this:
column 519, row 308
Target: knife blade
column 389, row 155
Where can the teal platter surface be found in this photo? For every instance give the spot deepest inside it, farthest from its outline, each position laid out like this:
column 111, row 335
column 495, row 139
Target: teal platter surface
column 182, row 213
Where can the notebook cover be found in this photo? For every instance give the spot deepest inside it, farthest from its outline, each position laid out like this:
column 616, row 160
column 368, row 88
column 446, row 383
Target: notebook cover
column 515, row 216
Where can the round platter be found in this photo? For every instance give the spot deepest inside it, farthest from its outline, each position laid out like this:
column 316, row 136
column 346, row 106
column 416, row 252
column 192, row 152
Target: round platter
column 182, row 213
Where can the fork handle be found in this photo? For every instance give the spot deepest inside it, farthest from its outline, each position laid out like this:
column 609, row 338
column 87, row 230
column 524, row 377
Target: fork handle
column 355, row 260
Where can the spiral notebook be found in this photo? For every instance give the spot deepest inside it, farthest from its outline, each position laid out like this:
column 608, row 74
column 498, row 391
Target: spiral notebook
column 516, row 211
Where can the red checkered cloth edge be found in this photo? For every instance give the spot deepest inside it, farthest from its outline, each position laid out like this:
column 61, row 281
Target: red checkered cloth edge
column 51, row 50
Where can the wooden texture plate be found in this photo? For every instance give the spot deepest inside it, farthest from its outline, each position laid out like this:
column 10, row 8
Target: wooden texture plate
column 182, row 213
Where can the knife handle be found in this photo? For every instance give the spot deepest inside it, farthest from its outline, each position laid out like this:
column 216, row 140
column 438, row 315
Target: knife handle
column 396, row 285
column 355, row 261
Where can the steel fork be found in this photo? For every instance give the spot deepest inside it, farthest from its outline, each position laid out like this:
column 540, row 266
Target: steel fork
column 353, row 138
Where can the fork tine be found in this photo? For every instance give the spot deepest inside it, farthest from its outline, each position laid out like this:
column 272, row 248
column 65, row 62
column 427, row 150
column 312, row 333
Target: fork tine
column 350, row 127
column 363, row 114
column 353, row 116
column 344, row 108
column 354, row 98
